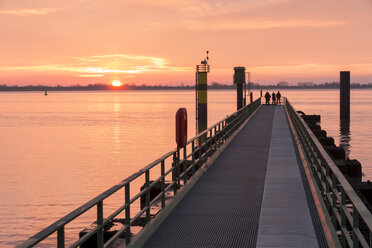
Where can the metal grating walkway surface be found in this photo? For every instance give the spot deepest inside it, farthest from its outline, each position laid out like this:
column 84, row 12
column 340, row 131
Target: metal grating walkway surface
column 252, row 196
column 223, row 208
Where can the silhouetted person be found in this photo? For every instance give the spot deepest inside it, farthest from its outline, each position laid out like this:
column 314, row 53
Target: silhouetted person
column 273, row 96
column 278, row 95
column 267, row 96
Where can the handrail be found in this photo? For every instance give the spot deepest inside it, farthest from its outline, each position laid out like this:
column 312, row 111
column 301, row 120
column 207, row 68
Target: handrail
column 349, row 216
column 200, row 148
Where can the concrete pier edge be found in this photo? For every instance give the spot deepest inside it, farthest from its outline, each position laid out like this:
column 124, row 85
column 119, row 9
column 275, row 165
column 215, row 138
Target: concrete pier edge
column 326, row 222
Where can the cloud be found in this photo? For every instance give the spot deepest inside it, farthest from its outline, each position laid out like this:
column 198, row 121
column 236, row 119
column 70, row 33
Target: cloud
column 90, row 75
column 260, row 25
column 211, row 7
column 26, row 12
column 218, row 8
column 100, row 65
column 242, row 15
column 317, row 68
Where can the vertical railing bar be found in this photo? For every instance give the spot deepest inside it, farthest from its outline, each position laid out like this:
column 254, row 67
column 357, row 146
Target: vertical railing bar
column 162, row 184
column 224, row 127
column 147, row 187
column 343, row 217
column 178, row 168
column 219, row 134
column 127, row 213
column 174, row 173
column 184, row 164
column 100, row 224
column 328, row 187
column 322, row 176
column 334, row 200
column 216, row 135
column 193, row 157
column 210, row 140
column 215, row 138
column 199, row 151
column 61, row 237
column 355, row 227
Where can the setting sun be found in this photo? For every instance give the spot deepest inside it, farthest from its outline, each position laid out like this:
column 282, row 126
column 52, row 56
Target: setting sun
column 116, row 83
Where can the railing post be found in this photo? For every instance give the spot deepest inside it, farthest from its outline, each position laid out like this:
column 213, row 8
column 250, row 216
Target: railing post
column 334, row 201
column 210, row 139
column 61, row 237
column 222, row 131
column 193, row 157
column 328, row 188
column 174, row 173
column 323, row 176
column 184, row 166
column 178, row 168
column 219, row 134
column 127, row 214
column 318, row 161
column 215, row 138
column 343, row 217
column 355, row 227
column 100, row 224
column 225, row 129
column 200, row 152
column 147, row 187
column 162, row 184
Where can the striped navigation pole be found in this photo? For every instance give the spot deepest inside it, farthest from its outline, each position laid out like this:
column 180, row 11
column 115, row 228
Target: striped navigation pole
column 201, row 95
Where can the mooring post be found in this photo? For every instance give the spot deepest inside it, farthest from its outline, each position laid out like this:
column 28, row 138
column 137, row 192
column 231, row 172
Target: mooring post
column 345, row 95
column 239, row 80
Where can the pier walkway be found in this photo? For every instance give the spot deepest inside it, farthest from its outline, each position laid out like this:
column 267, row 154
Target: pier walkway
column 258, row 178
column 253, row 195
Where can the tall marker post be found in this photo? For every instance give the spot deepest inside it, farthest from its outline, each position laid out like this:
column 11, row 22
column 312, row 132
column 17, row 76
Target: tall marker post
column 201, row 95
column 344, row 95
column 239, row 80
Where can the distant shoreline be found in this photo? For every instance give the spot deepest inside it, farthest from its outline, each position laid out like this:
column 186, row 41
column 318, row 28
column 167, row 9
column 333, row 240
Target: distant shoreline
column 213, row 86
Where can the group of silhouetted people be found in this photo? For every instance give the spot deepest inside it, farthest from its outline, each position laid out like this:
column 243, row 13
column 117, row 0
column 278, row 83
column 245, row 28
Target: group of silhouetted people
column 275, row 97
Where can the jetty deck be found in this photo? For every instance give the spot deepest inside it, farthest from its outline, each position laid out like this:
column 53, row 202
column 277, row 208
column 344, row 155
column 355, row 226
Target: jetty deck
column 253, row 195
column 258, row 178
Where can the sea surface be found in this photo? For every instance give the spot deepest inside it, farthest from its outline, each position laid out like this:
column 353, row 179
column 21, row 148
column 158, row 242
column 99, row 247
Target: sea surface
column 61, row 150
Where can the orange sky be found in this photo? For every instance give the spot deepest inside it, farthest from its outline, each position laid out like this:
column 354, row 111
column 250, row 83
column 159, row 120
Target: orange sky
column 160, row 42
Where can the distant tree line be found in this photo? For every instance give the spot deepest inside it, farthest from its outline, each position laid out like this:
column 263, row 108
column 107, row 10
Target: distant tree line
column 213, row 85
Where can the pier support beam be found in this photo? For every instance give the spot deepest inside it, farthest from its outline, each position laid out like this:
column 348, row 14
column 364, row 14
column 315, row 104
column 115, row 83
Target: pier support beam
column 239, row 80
column 345, row 95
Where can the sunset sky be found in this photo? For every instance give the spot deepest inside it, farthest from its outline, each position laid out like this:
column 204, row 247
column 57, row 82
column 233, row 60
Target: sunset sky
column 63, row 42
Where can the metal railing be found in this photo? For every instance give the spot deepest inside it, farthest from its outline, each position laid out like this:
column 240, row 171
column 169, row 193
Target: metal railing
column 350, row 218
column 195, row 154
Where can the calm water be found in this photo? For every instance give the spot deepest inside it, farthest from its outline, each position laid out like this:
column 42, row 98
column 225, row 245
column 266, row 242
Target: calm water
column 61, row 150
